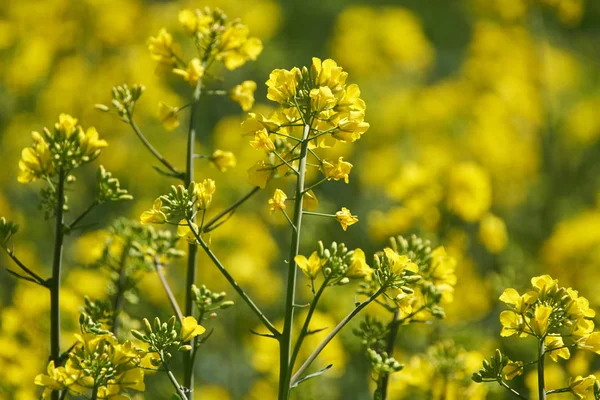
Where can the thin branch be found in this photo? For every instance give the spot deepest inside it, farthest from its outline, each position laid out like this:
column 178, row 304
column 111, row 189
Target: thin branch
column 38, row 279
column 77, row 220
column 230, row 209
column 331, row 335
column 170, row 295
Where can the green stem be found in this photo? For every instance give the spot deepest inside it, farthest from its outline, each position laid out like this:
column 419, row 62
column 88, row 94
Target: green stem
column 285, row 343
column 117, row 304
column 165, row 284
column 95, row 392
column 83, row 215
column 541, row 384
column 172, row 378
column 234, row 284
column 305, row 327
column 149, row 146
column 331, row 335
column 192, row 248
column 54, row 284
column 513, row 391
column 391, row 342
column 217, row 218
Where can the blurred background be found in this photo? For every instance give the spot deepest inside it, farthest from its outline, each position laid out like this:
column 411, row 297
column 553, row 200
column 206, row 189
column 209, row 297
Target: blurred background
column 485, row 128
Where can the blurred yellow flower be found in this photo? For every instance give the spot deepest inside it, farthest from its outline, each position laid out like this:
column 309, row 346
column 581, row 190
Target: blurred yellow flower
column 223, row 160
column 579, row 386
column 492, row 233
column 277, row 202
column 204, row 192
column 469, row 191
column 262, row 141
column 310, row 202
column 359, row 267
column 282, row 85
column 168, row 116
column 512, row 370
column 193, row 72
column 155, row 215
column 243, row 94
column 260, row 173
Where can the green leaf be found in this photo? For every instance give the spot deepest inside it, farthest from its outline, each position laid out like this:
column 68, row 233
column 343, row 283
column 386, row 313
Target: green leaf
column 309, row 376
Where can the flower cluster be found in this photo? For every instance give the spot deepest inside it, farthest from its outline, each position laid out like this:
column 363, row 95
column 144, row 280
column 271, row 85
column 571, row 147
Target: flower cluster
column 337, row 264
column 66, row 147
column 97, row 363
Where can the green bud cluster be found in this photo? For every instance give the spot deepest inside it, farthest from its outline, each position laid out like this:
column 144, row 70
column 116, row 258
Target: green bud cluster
column 96, row 316
column 123, row 101
column 179, row 202
column 338, row 259
column 382, row 364
column 161, row 337
column 209, row 302
column 7, row 229
column 109, row 188
column 415, row 248
column 372, row 333
column 49, row 200
column 492, row 368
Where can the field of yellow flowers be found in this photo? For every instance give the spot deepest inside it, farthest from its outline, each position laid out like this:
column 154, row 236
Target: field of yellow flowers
column 158, row 160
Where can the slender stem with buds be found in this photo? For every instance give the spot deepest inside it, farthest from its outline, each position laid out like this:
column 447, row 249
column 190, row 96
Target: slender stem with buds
column 285, row 343
column 54, row 284
column 172, row 378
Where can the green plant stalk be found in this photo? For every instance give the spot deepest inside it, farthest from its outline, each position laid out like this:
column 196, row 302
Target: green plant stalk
column 541, row 384
column 120, row 287
column 331, row 335
column 216, row 220
column 234, row 284
column 172, row 378
column 56, row 270
column 285, row 343
column 95, row 392
column 188, row 366
column 391, row 342
column 168, row 291
column 305, row 327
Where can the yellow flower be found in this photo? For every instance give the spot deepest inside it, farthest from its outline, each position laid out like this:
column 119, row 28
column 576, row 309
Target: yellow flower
column 351, row 126
column 161, row 48
column 155, row 215
column 260, row 173
column 235, row 47
column 443, row 274
column 258, row 122
column 555, row 347
column 336, row 170
column 311, row 266
column 512, row 370
column 168, row 116
column 192, row 73
column 195, row 21
column 223, row 160
column 492, row 233
column 359, row 267
column 57, row 379
column 190, row 329
column 262, row 141
column 277, row 202
column 36, row 161
column 184, row 231
column 310, row 202
column 66, row 124
column 244, row 94
column 204, row 192
column 345, row 218
column 543, row 283
column 516, row 302
column 579, row 385
column 91, row 143
column 399, row 263
column 327, row 73
column 590, row 342
column 512, row 323
column 282, row 85
column 541, row 319
column 321, row 99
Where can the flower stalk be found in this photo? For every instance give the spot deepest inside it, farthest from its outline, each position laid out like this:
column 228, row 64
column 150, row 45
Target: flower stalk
column 54, row 285
column 285, row 343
